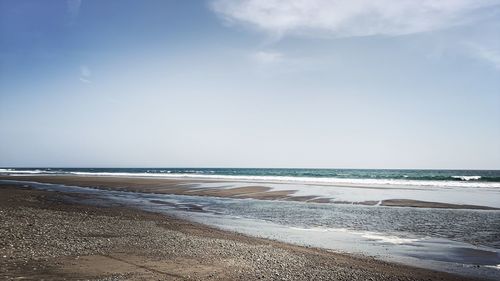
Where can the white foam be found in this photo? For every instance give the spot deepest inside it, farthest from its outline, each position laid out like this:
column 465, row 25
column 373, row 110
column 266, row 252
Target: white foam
column 12, row 171
column 467, row 178
column 389, row 239
column 375, row 236
column 334, row 181
column 323, row 229
column 315, row 229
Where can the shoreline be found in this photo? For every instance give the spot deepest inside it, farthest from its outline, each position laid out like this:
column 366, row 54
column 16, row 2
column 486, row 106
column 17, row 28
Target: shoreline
column 249, row 190
column 44, row 236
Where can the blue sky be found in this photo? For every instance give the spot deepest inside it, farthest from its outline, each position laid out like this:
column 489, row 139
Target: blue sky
column 250, row 83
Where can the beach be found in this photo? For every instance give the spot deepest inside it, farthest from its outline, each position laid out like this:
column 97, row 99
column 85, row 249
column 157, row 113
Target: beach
column 449, row 226
column 46, row 235
column 240, row 190
column 250, row 140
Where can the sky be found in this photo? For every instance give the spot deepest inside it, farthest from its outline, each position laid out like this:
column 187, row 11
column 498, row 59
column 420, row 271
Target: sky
column 250, row 83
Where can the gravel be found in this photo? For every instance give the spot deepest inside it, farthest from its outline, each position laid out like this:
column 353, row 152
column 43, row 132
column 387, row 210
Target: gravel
column 42, row 237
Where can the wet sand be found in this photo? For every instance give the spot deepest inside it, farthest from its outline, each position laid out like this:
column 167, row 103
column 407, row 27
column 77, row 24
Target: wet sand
column 43, row 236
column 191, row 187
column 425, row 204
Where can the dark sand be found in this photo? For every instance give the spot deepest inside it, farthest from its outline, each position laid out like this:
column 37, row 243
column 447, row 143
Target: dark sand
column 43, row 237
column 190, row 187
column 425, row 204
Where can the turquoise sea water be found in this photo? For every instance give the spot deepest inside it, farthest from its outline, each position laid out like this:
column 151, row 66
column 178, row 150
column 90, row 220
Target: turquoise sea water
column 412, row 176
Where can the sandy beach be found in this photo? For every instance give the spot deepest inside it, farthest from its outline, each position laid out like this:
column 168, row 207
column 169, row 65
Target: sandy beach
column 193, row 187
column 250, row 140
column 43, row 237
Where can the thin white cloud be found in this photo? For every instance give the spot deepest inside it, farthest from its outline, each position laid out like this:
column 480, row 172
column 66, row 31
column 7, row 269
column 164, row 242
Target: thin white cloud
column 85, row 80
column 85, row 74
column 342, row 18
column 488, row 54
column 73, row 8
column 267, row 57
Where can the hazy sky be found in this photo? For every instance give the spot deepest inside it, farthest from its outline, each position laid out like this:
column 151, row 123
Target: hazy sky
column 250, row 83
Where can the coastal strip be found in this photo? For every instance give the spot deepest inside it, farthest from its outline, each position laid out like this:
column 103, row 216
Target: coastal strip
column 43, row 236
column 196, row 187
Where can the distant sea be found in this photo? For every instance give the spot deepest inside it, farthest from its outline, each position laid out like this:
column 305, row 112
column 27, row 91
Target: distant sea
column 462, row 178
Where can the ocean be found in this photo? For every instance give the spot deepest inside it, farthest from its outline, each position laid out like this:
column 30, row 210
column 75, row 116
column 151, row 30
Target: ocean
column 460, row 178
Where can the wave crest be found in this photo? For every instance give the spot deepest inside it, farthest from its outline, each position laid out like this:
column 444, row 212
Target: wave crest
column 467, row 178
